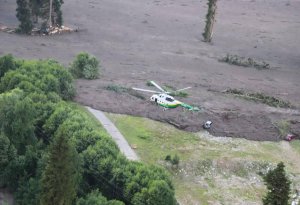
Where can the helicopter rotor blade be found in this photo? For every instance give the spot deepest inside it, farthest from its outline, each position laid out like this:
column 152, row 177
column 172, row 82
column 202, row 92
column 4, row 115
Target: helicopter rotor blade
column 158, row 87
column 144, row 90
column 183, row 89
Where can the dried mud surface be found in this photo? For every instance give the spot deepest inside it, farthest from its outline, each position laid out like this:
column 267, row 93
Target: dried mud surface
column 161, row 40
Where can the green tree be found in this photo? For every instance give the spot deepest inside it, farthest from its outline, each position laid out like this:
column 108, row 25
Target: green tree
column 158, row 193
column 17, row 117
column 96, row 198
column 8, row 153
column 210, row 20
column 85, row 66
column 60, row 179
column 278, row 186
column 24, row 16
column 7, row 62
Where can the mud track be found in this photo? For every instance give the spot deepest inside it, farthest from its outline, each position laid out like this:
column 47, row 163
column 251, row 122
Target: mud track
column 140, row 40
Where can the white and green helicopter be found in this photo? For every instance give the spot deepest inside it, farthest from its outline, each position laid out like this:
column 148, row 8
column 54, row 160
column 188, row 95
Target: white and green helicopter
column 164, row 98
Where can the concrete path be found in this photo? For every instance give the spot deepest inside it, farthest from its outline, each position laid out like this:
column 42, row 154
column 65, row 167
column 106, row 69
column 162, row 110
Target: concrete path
column 115, row 134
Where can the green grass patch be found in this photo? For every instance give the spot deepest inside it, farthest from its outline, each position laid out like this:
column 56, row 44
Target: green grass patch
column 296, row 145
column 245, row 62
column 116, row 88
column 260, row 97
column 121, row 89
column 211, row 170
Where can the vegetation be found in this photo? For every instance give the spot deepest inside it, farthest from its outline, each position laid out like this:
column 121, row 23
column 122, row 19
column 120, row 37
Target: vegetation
column 30, row 11
column 121, row 89
column 52, row 152
column 61, row 176
column 24, row 16
column 212, row 170
column 246, row 62
column 116, row 88
column 278, row 186
column 283, row 128
column 260, row 97
column 85, row 66
column 210, row 20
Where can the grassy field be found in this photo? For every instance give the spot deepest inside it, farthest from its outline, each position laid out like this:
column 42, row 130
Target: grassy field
column 212, row 170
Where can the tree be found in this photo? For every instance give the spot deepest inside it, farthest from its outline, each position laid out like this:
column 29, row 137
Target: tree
column 96, row 198
column 17, row 118
column 61, row 176
column 7, row 62
column 85, row 66
column 24, row 16
column 51, row 12
column 210, row 20
column 278, row 186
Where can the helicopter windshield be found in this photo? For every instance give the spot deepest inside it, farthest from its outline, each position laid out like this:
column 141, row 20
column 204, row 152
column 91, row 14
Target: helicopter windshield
column 169, row 99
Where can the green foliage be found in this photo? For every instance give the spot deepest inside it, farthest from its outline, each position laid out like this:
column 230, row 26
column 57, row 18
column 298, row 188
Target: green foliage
column 85, row 66
column 158, row 193
column 24, row 16
column 284, row 127
column 261, row 97
column 96, row 198
column 175, row 160
column 278, row 186
column 60, row 179
column 32, row 114
column 8, row 153
column 7, row 62
column 117, row 88
column 40, row 76
column 148, row 83
column 28, row 192
column 241, row 61
column 17, row 118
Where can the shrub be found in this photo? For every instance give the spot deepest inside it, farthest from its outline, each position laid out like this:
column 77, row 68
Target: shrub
column 85, row 66
column 7, row 62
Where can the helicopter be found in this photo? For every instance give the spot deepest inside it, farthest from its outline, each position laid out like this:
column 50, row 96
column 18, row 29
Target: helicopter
column 165, row 99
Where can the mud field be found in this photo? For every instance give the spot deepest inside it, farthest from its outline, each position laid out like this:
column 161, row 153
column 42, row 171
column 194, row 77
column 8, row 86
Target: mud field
column 161, row 40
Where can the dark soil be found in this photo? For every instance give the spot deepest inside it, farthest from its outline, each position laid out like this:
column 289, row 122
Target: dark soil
column 140, row 40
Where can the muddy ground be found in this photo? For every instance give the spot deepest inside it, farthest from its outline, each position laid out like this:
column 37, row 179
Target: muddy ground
column 161, row 40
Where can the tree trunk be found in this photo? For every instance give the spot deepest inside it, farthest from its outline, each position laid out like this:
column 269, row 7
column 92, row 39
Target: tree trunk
column 50, row 13
column 210, row 20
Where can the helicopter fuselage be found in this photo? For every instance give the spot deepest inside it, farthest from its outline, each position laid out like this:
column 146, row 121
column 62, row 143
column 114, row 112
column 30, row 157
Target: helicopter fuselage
column 165, row 100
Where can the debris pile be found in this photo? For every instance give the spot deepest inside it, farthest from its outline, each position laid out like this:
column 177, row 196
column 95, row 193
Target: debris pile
column 6, row 29
column 60, row 30
column 40, row 31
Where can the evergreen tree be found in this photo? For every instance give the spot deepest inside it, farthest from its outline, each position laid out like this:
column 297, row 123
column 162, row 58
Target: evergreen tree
column 54, row 9
column 60, row 178
column 24, row 16
column 278, row 186
column 210, row 20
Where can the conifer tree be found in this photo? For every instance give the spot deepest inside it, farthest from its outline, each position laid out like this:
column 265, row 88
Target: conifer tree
column 278, row 186
column 210, row 20
column 60, row 178
column 24, row 16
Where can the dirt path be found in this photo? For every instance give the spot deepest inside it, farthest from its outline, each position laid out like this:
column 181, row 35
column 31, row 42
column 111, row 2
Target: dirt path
column 115, row 134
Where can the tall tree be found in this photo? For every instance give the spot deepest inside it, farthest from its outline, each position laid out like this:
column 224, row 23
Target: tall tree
column 24, row 16
column 210, row 20
column 51, row 12
column 60, row 178
column 278, row 186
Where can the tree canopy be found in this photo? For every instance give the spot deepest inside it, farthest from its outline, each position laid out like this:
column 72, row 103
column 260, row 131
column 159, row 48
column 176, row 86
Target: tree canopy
column 51, row 151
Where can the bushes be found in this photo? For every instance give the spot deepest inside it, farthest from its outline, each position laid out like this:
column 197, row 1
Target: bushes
column 40, row 76
column 85, row 66
column 32, row 113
